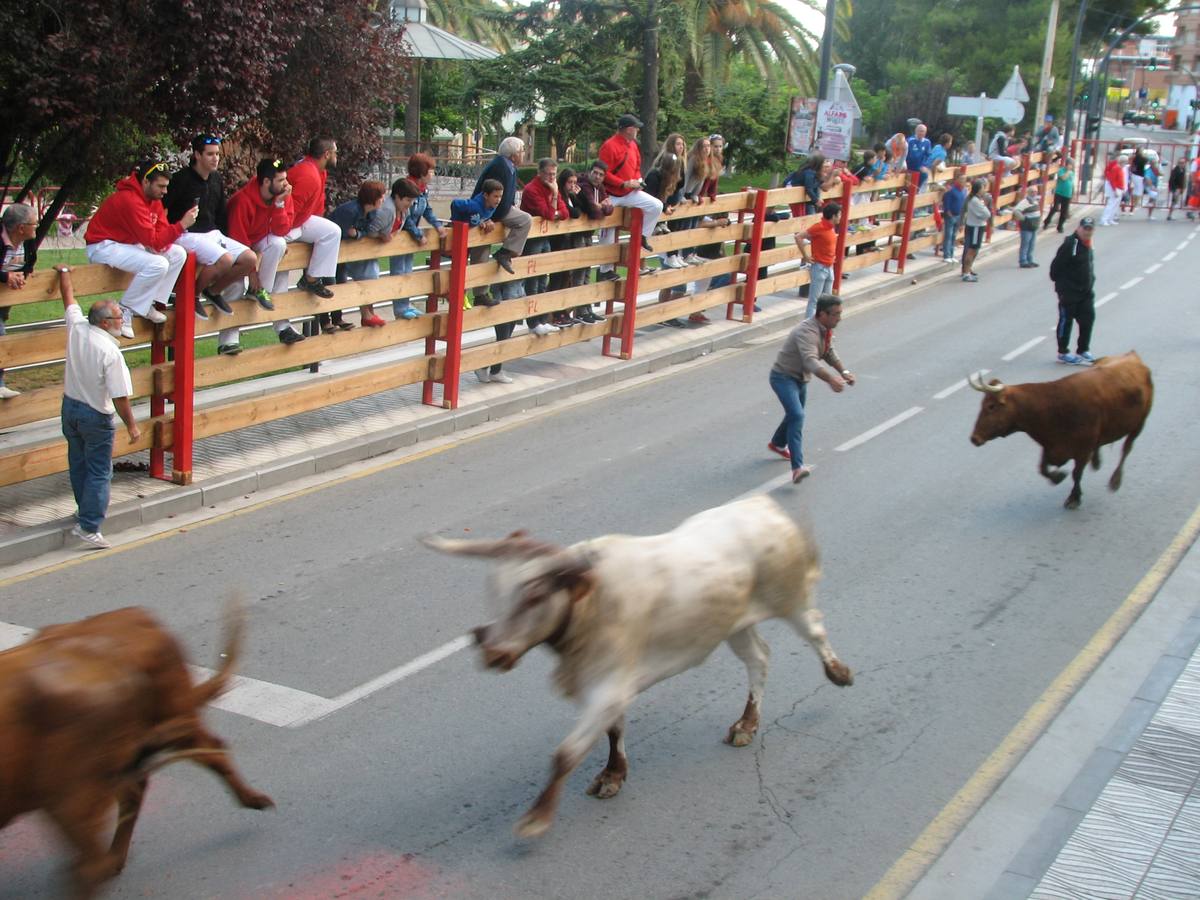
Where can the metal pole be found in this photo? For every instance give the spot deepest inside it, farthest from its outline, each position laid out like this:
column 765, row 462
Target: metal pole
column 1067, row 120
column 1047, row 63
column 826, row 49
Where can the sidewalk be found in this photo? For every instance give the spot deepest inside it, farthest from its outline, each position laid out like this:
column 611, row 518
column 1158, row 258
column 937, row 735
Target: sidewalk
column 36, row 516
column 1106, row 802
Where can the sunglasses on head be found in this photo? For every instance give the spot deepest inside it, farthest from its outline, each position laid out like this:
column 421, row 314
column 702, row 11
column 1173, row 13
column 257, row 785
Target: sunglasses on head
column 210, row 140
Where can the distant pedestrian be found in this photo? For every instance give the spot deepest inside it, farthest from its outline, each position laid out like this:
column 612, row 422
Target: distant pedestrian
column 1064, row 190
column 1028, row 216
column 1074, row 277
column 976, row 216
column 96, row 384
column 807, row 346
column 1177, row 185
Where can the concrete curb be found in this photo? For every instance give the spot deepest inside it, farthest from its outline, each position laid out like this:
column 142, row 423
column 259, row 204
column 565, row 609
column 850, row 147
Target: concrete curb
column 52, row 536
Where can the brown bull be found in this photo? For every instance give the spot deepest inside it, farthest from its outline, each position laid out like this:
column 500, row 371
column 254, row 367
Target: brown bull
column 1071, row 418
column 87, row 711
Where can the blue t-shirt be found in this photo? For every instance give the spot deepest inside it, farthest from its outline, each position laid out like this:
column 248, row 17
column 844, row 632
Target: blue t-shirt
column 954, row 200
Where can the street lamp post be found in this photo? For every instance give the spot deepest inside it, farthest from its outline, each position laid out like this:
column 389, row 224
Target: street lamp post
column 826, row 49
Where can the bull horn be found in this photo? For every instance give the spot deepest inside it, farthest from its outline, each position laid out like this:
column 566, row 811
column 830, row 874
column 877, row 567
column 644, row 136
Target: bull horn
column 976, row 381
column 516, row 544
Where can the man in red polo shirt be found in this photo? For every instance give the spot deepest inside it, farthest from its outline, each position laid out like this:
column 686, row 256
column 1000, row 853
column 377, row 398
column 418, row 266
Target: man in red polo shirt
column 309, row 225
column 623, row 180
column 822, row 239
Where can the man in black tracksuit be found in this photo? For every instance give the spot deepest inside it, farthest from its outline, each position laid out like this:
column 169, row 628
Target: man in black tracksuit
column 1074, row 280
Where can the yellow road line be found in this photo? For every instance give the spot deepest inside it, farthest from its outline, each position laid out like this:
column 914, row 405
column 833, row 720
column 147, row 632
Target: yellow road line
column 924, row 852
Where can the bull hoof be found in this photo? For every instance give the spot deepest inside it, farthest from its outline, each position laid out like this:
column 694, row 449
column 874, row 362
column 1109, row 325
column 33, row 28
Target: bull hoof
column 739, row 736
column 531, row 826
column 1056, row 477
column 1072, row 502
column 606, row 785
column 255, row 800
column 1114, row 483
column 839, row 673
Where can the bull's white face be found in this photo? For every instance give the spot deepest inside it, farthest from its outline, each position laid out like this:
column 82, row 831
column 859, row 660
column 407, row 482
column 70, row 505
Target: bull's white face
column 537, row 598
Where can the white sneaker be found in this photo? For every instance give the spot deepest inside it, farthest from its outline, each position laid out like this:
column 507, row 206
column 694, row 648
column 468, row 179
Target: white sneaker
column 484, row 375
column 693, row 260
column 153, row 315
column 7, row 393
column 544, row 328
column 94, row 539
column 502, row 378
column 126, row 324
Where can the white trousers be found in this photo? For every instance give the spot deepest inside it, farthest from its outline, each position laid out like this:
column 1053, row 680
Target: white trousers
column 1112, row 205
column 154, row 274
column 210, row 246
column 650, row 206
column 325, row 238
column 270, row 251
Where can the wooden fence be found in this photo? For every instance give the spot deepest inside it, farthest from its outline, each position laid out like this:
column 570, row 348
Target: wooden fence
column 893, row 212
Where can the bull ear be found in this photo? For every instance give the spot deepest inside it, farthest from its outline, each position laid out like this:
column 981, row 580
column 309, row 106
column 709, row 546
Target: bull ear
column 574, row 573
column 521, row 547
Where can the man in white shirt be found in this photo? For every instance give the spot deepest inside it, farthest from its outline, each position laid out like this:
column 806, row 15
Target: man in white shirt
column 95, row 386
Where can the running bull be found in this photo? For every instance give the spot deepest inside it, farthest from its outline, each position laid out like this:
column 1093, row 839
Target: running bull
column 87, row 711
column 1071, row 418
column 624, row 613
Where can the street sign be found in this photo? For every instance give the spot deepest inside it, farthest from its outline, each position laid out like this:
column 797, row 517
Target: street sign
column 1015, row 89
column 1011, row 111
column 835, row 126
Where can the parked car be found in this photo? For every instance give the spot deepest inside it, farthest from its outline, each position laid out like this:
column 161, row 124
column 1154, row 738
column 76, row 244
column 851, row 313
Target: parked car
column 1135, row 118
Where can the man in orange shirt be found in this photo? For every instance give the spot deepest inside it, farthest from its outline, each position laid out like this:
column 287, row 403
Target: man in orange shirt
column 309, row 225
column 822, row 238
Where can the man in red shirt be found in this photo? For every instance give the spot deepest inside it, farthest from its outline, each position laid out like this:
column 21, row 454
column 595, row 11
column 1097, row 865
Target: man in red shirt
column 310, row 226
column 822, row 238
column 541, row 198
column 261, row 215
column 130, row 232
column 1114, row 189
column 623, row 180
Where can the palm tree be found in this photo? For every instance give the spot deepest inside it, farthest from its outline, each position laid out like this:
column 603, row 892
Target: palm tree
column 482, row 21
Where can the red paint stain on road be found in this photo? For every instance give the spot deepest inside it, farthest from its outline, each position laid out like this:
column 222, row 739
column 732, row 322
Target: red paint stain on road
column 373, row 874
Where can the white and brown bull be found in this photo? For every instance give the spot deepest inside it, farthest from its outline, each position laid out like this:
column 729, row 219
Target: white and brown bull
column 1073, row 417
column 624, row 613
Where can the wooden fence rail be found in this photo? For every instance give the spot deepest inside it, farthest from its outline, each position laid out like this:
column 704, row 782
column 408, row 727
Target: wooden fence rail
column 893, row 211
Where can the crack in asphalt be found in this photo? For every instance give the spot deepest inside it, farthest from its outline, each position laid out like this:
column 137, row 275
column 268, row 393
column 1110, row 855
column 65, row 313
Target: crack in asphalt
column 899, row 756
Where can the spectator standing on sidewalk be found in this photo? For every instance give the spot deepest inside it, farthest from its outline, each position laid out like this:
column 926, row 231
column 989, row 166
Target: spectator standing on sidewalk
column 478, row 213
column 1074, row 276
column 1028, row 216
column 665, row 183
column 1177, row 185
column 953, row 202
column 420, row 174
column 623, row 180
column 822, row 238
column 130, row 232
column 18, row 253
column 309, row 225
column 96, row 384
column 578, row 207
column 597, row 197
column 975, row 219
column 807, row 346
column 1064, row 190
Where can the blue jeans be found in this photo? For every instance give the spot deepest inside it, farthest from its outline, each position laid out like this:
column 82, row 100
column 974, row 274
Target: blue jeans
column 90, row 434
column 400, row 265
column 1025, row 254
column 820, row 281
column 792, row 393
column 949, row 233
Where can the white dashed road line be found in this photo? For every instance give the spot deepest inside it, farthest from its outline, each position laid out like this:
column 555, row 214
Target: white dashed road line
column 1106, row 298
column 1150, row 270
column 957, row 386
column 1028, row 345
column 1130, row 283
column 1170, row 256
column 1182, row 245
column 879, row 429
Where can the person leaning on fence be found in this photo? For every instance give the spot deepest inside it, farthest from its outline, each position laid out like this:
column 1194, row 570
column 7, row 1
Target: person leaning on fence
column 393, row 216
column 822, row 239
column 1028, row 215
column 420, row 174
column 96, row 384
column 260, row 216
column 478, row 213
column 1064, row 189
column 18, row 253
column 623, row 180
column 920, row 153
column 976, row 216
column 503, row 169
column 221, row 262
column 541, row 200
column 130, row 232
column 309, row 225
column 999, row 150
column 578, row 207
column 597, row 197
column 357, row 220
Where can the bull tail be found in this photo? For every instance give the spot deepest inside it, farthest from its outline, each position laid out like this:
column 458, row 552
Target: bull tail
column 235, row 624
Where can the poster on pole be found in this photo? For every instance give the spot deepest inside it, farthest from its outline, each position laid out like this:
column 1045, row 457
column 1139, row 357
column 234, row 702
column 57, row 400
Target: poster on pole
column 835, row 127
column 800, row 126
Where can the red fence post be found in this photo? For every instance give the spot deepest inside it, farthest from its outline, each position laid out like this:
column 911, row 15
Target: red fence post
column 456, row 296
column 998, row 173
column 431, row 305
column 633, row 266
column 843, row 230
column 183, row 426
column 910, row 201
column 756, row 238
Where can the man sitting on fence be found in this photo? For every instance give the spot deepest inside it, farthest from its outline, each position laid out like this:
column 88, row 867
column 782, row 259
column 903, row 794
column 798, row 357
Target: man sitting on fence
column 130, row 232
column 998, row 150
column 260, row 216
column 516, row 222
column 309, row 224
column 623, row 180
column 222, row 263
column 96, row 384
column 18, row 253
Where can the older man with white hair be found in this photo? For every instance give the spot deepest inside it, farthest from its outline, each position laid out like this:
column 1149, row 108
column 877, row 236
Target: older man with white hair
column 18, row 253
column 516, row 221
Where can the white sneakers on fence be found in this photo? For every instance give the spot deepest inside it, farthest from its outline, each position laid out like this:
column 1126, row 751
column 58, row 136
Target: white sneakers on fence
column 542, row 328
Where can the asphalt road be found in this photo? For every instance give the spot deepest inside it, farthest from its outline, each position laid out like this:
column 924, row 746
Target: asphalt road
column 955, row 585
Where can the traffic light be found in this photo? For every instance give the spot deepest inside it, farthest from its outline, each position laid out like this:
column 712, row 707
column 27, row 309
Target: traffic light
column 1153, row 65
column 1196, row 104
column 1154, row 104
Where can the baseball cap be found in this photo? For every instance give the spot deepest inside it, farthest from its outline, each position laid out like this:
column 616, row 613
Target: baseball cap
column 1087, row 222
column 627, row 120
